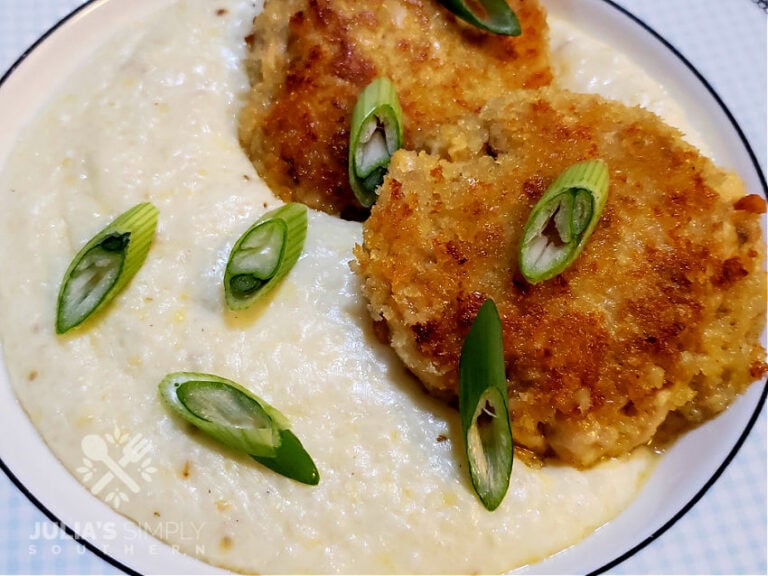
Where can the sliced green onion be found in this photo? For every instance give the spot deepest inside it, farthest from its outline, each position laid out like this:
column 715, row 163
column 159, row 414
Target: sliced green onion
column 103, row 267
column 490, row 15
column 376, row 133
column 264, row 254
column 292, row 460
column 224, row 410
column 240, row 420
column 483, row 407
column 562, row 220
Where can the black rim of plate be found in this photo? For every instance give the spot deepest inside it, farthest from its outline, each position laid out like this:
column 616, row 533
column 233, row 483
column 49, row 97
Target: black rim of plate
column 761, row 402
column 50, row 515
column 619, row 559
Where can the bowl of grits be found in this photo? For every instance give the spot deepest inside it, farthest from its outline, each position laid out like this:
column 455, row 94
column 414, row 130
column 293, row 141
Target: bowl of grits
column 131, row 102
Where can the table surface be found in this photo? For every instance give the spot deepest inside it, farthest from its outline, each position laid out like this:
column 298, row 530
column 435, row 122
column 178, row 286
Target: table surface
column 725, row 532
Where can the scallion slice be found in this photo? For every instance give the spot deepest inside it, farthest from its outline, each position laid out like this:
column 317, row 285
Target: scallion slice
column 103, row 267
column 562, row 220
column 483, row 407
column 490, row 15
column 240, row 420
column 264, row 254
column 376, row 133
column 291, row 460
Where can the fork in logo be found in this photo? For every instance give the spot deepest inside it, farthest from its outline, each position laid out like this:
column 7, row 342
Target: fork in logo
column 136, row 448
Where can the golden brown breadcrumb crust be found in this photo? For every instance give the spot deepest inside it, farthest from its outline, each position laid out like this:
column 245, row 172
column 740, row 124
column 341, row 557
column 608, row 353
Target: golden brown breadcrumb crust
column 660, row 313
column 311, row 58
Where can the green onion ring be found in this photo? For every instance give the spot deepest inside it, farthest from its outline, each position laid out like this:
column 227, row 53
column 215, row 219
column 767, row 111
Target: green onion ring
column 103, row 267
column 234, row 416
column 376, row 132
column 562, row 220
column 493, row 16
column 483, row 407
column 264, row 255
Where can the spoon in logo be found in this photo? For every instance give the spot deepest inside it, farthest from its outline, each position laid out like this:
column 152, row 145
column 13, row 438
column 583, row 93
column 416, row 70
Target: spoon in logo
column 96, row 449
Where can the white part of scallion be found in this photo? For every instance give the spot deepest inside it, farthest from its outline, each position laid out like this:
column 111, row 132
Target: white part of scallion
column 376, row 132
column 372, row 151
column 562, row 220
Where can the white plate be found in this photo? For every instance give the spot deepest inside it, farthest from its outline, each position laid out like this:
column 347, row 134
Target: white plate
column 683, row 475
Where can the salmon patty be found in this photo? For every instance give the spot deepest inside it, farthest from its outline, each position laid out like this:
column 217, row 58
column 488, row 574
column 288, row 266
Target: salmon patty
column 310, row 59
column 659, row 317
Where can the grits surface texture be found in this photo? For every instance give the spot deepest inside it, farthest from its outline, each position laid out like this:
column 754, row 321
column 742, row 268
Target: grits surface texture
column 152, row 116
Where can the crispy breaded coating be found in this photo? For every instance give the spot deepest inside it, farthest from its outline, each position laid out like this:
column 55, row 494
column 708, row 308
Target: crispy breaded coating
column 310, row 59
column 660, row 314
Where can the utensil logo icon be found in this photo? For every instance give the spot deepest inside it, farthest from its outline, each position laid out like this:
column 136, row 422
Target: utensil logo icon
column 124, row 460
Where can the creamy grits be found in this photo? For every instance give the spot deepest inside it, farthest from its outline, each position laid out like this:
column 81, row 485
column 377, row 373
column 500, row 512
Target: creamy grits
column 153, row 117
column 582, row 64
